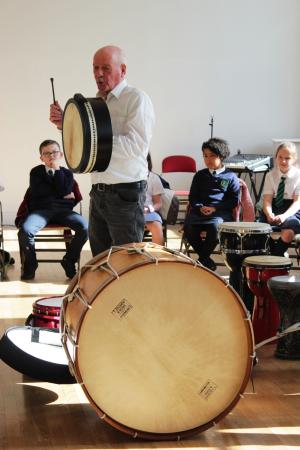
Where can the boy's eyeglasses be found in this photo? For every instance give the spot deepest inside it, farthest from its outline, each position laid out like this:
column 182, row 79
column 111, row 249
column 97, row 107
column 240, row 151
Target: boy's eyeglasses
column 48, row 154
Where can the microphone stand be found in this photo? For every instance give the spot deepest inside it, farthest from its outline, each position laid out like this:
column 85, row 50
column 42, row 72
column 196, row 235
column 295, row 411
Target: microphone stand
column 211, row 124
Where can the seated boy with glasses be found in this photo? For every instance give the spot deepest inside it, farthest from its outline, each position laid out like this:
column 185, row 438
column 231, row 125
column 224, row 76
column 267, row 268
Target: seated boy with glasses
column 51, row 200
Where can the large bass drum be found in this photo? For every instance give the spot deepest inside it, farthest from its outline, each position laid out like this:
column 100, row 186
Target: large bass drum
column 87, row 134
column 161, row 346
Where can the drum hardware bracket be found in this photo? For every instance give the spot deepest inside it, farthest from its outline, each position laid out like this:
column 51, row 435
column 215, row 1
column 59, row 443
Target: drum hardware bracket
column 141, row 251
column 103, row 416
column 70, row 297
column 79, row 294
column 249, row 318
column 292, row 329
column 64, row 338
column 108, row 268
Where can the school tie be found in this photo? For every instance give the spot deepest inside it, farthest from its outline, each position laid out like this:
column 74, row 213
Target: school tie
column 280, row 193
column 51, row 172
column 214, row 173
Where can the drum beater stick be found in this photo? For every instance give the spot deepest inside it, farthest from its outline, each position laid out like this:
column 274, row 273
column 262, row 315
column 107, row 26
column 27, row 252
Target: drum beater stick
column 52, row 84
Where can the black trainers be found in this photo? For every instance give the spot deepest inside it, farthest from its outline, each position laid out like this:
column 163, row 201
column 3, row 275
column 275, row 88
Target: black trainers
column 26, row 276
column 28, row 273
column 69, row 267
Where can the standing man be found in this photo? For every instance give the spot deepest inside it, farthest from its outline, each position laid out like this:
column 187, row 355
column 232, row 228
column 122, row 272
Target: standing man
column 118, row 194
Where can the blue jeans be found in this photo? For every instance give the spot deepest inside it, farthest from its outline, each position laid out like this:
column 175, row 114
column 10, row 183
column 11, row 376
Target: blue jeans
column 37, row 220
column 116, row 215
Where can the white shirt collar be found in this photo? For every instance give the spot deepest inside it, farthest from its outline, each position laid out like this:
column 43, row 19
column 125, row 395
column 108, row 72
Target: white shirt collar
column 116, row 91
column 49, row 170
column 218, row 171
column 288, row 174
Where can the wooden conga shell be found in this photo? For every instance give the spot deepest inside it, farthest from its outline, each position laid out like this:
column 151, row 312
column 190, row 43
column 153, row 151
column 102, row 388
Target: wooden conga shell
column 257, row 271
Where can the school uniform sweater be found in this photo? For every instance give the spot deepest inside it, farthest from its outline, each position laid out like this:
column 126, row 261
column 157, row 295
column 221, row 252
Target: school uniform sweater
column 48, row 191
column 220, row 191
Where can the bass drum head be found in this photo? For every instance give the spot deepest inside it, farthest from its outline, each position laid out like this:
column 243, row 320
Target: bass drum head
column 165, row 350
column 37, row 353
column 87, row 134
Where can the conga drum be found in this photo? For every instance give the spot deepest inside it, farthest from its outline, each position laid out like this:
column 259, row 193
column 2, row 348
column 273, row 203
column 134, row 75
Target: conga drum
column 257, row 271
column 87, row 134
column 237, row 241
column 241, row 239
column 161, row 346
column 45, row 313
column 286, row 291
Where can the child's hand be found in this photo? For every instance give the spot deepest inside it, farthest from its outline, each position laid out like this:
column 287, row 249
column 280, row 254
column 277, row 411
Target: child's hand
column 270, row 217
column 207, row 210
column 279, row 219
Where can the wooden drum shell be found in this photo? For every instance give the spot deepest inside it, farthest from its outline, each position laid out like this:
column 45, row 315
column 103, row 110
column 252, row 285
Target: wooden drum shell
column 87, row 134
column 138, row 336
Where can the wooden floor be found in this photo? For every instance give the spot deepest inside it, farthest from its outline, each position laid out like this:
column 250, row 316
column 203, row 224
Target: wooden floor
column 40, row 415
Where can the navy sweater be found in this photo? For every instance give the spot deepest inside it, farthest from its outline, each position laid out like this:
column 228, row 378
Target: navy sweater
column 221, row 191
column 48, row 191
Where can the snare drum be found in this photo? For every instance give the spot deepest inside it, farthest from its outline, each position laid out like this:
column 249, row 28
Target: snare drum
column 87, row 134
column 161, row 346
column 45, row 313
column 257, row 271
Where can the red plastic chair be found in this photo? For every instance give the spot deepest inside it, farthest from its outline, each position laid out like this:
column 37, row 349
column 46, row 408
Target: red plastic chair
column 178, row 163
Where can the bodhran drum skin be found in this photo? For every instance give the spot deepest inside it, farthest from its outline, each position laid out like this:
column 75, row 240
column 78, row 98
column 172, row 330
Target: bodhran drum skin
column 87, row 134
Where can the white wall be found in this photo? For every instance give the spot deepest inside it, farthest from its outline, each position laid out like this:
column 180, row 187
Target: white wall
column 236, row 59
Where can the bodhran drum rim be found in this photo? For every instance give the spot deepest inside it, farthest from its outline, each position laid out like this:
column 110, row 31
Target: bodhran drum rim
column 245, row 323
column 270, row 262
column 245, row 227
column 97, row 134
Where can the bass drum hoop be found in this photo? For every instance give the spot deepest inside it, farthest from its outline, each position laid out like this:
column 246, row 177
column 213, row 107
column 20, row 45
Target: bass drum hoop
column 75, row 365
column 96, row 132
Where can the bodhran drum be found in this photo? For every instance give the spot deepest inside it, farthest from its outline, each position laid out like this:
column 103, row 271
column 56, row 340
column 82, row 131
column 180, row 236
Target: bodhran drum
column 87, row 134
column 257, row 271
column 285, row 289
column 161, row 346
column 45, row 313
column 241, row 239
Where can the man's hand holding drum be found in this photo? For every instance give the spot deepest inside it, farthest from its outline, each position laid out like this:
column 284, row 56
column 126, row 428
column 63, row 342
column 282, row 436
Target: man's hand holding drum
column 56, row 114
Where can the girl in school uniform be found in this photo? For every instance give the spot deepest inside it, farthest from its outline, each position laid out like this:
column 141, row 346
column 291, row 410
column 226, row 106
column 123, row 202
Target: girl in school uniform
column 153, row 203
column 281, row 197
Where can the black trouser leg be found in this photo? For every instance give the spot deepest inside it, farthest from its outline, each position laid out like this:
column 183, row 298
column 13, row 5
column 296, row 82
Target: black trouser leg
column 192, row 234
column 210, row 241
column 280, row 248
